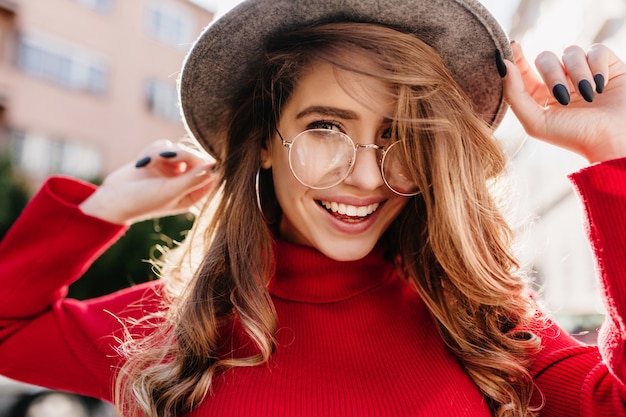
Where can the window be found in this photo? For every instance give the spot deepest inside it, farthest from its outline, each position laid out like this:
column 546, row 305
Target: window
column 98, row 5
column 162, row 99
column 41, row 156
column 61, row 64
column 169, row 24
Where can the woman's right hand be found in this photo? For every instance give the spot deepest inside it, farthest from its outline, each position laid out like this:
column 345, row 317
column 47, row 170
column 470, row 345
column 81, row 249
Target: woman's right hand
column 168, row 179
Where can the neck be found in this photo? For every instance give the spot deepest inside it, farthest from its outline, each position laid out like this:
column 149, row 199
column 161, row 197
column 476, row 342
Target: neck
column 303, row 274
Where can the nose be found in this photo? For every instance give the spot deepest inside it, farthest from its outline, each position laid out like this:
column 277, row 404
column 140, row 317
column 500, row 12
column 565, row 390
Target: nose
column 365, row 172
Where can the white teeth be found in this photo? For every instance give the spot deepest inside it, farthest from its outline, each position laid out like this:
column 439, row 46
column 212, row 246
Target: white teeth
column 348, row 210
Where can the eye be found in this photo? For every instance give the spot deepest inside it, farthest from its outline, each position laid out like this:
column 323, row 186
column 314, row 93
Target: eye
column 325, row 124
column 387, row 136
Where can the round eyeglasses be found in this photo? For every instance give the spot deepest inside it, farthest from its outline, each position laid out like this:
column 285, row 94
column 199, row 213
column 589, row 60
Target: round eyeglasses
column 323, row 158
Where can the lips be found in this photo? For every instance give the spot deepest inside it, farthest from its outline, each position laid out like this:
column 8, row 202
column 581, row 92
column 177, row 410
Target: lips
column 347, row 211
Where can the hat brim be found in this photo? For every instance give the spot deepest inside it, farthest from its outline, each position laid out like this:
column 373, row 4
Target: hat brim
column 225, row 57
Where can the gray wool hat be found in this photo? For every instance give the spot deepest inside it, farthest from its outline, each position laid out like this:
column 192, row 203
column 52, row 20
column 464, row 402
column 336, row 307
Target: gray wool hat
column 226, row 56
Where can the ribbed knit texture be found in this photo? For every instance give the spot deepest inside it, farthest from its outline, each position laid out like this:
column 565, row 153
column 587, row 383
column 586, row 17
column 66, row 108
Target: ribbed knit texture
column 354, row 339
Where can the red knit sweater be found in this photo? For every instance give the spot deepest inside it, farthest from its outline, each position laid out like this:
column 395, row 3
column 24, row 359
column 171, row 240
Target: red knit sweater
column 354, row 339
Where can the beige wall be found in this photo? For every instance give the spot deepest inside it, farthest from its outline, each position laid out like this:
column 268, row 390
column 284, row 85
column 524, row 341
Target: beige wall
column 117, row 123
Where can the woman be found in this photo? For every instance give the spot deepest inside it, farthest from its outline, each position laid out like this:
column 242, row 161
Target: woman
column 352, row 259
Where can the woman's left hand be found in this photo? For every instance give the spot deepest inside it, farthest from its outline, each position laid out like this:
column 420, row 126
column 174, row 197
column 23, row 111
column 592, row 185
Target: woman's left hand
column 577, row 102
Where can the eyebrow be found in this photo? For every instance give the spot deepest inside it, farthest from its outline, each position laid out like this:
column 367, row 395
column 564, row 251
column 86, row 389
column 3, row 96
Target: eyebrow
column 328, row 111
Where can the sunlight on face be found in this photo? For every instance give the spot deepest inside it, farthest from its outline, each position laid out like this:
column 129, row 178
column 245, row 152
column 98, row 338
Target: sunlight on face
column 345, row 221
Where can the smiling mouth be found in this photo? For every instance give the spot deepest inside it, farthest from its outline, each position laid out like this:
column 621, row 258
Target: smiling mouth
column 348, row 212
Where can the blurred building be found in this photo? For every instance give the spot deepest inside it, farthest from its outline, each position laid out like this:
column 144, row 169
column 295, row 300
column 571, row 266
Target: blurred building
column 86, row 84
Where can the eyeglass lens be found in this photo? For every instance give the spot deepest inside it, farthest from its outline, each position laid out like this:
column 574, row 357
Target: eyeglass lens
column 322, row 158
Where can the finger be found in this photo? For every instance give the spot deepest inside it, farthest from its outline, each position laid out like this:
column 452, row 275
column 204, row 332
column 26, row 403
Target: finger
column 522, row 64
column 148, row 153
column 194, row 184
column 553, row 75
column 185, row 157
column 172, row 159
column 193, row 148
column 598, row 58
column 524, row 91
column 533, row 84
column 156, row 147
column 166, row 163
column 577, row 67
column 195, row 178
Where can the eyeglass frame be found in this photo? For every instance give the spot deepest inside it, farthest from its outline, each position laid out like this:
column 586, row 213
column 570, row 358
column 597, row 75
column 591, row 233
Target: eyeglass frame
column 356, row 147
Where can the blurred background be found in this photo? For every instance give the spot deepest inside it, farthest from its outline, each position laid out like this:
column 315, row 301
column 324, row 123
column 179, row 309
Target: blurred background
column 86, row 84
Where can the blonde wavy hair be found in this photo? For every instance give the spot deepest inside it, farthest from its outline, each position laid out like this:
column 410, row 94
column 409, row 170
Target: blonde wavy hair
column 451, row 241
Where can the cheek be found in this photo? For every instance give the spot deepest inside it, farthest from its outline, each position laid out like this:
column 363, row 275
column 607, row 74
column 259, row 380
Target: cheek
column 294, row 204
column 288, row 188
column 280, row 168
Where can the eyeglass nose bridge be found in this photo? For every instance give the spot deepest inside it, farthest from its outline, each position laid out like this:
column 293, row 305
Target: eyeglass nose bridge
column 379, row 158
column 373, row 146
column 358, row 146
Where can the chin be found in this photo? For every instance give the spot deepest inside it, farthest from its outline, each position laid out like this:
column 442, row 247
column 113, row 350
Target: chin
column 346, row 251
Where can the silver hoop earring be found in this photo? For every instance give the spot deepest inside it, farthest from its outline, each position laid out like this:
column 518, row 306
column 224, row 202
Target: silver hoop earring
column 257, row 189
column 268, row 193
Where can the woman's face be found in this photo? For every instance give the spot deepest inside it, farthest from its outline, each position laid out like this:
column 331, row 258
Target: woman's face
column 345, row 221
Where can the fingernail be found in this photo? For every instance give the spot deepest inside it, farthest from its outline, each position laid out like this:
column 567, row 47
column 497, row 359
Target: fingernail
column 599, row 79
column 168, row 154
column 143, row 162
column 500, row 65
column 586, row 90
column 561, row 94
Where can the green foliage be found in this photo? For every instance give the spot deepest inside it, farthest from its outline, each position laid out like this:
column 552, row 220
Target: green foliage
column 13, row 195
column 126, row 262
column 122, row 265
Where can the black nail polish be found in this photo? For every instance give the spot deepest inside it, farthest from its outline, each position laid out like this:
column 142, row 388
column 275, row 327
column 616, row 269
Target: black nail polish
column 586, row 90
column 599, row 79
column 168, row 154
column 561, row 94
column 143, row 162
column 500, row 65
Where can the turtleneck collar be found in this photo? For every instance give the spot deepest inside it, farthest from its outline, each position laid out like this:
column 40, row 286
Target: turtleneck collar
column 303, row 274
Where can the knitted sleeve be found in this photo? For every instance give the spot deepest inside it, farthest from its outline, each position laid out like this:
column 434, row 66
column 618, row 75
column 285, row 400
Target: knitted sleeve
column 577, row 380
column 45, row 338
